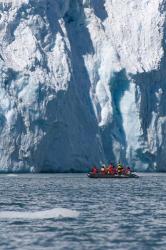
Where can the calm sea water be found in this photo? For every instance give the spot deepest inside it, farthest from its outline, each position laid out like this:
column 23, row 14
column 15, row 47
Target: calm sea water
column 101, row 214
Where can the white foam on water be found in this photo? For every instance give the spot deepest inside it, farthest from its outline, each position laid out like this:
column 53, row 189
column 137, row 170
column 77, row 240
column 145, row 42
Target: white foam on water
column 38, row 215
column 12, row 175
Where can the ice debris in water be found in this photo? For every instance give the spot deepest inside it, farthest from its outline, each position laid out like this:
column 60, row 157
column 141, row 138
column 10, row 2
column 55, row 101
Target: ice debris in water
column 39, row 215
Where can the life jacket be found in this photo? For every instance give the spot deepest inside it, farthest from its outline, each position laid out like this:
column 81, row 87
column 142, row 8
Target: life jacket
column 120, row 169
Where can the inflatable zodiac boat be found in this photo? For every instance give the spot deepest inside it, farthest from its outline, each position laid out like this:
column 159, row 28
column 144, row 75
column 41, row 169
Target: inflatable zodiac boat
column 101, row 175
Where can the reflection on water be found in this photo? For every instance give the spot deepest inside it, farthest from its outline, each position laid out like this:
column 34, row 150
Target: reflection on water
column 96, row 214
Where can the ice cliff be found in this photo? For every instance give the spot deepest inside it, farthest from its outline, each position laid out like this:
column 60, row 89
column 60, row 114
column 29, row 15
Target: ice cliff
column 82, row 82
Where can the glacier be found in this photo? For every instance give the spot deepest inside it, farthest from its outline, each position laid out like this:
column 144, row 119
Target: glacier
column 82, row 82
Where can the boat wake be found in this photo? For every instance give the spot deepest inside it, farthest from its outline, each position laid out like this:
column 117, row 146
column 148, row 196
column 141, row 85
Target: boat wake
column 39, row 215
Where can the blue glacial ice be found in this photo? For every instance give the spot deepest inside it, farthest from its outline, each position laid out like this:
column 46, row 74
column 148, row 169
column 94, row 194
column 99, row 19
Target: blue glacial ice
column 82, row 82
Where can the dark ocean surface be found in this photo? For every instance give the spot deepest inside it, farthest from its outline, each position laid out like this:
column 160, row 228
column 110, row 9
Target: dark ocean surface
column 97, row 213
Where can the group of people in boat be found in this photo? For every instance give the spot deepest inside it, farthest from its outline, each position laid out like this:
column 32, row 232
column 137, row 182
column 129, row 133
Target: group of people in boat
column 113, row 170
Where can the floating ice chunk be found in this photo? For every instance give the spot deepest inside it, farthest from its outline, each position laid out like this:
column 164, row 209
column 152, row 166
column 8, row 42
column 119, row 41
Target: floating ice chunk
column 39, row 215
column 12, row 175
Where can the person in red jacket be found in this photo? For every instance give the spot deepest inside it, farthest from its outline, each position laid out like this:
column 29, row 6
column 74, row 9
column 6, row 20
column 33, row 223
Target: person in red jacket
column 94, row 170
column 111, row 169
